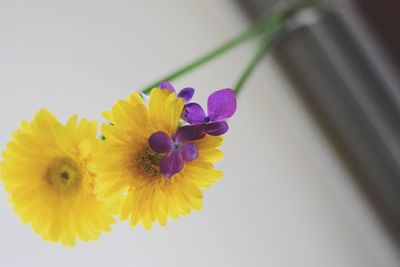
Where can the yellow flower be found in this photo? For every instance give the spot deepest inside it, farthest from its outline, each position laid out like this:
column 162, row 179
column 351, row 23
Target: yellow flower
column 47, row 173
column 129, row 167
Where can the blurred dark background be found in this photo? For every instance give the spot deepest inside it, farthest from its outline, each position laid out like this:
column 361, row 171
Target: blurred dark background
column 343, row 58
column 383, row 19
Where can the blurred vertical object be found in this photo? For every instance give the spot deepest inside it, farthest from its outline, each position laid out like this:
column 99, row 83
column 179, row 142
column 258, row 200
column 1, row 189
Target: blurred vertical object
column 348, row 78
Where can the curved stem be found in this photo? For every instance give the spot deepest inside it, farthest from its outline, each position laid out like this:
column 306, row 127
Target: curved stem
column 250, row 33
column 264, row 47
column 264, row 27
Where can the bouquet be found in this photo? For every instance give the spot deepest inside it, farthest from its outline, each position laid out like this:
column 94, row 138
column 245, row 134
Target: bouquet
column 151, row 162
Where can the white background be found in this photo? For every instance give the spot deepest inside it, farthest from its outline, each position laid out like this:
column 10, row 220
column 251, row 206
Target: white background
column 285, row 200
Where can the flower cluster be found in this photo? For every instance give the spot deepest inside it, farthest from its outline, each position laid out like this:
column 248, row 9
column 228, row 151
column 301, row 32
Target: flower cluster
column 153, row 163
column 221, row 106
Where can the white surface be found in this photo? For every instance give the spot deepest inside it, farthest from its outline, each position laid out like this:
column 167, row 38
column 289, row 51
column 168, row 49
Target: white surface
column 285, row 200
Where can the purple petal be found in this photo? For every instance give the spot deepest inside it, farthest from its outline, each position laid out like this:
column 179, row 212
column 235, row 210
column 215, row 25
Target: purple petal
column 190, row 133
column 193, row 113
column 221, row 104
column 189, row 152
column 160, row 142
column 171, row 163
column 186, row 94
column 167, row 85
column 217, row 128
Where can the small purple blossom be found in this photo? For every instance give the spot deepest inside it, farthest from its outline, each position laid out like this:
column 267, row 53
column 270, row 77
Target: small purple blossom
column 186, row 93
column 177, row 149
column 221, row 105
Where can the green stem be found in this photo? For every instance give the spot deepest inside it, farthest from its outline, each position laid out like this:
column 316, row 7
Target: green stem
column 264, row 47
column 264, row 27
column 247, row 35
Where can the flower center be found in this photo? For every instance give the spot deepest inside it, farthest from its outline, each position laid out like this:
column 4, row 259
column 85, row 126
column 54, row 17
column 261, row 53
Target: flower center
column 175, row 147
column 64, row 175
column 149, row 162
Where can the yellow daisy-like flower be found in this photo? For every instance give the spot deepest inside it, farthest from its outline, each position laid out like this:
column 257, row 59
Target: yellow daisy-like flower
column 48, row 174
column 128, row 165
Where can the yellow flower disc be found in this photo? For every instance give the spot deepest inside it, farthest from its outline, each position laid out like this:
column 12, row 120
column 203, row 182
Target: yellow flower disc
column 130, row 168
column 47, row 171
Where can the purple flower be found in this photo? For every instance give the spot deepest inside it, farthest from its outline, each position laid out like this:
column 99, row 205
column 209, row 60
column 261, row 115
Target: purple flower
column 186, row 93
column 221, row 105
column 177, row 149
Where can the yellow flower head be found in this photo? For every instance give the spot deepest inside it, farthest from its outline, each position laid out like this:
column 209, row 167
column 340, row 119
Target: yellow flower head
column 48, row 175
column 128, row 165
